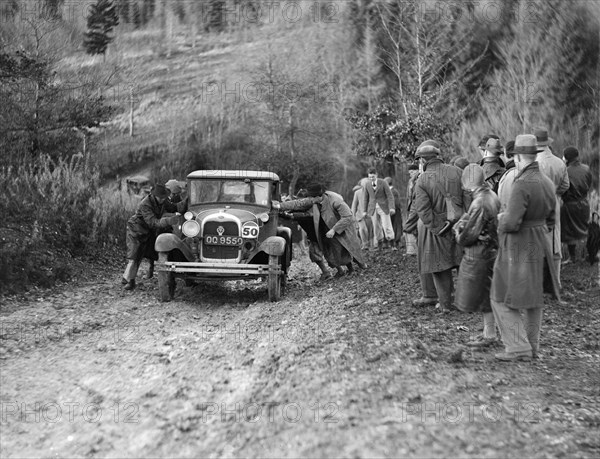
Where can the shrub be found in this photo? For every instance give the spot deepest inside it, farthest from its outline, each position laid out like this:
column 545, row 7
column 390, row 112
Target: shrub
column 53, row 211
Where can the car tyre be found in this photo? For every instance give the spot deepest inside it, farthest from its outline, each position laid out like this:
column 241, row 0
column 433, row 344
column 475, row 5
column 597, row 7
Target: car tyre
column 276, row 282
column 166, row 280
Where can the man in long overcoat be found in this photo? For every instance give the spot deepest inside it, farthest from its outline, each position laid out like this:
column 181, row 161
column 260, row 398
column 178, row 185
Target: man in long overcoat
column 575, row 211
column 556, row 170
column 524, row 247
column 143, row 227
column 437, row 254
column 334, row 227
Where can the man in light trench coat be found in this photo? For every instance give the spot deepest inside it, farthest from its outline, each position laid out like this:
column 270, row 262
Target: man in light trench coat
column 523, row 225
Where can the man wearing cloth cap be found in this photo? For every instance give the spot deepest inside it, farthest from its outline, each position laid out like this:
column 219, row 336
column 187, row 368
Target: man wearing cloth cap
column 334, row 227
column 492, row 164
column 575, row 211
column 142, row 229
column 176, row 188
column 517, row 292
column 437, row 254
column 556, row 170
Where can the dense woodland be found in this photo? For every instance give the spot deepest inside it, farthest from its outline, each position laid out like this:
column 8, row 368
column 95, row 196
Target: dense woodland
column 325, row 88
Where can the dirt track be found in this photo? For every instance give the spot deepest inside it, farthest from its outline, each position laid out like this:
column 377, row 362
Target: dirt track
column 346, row 369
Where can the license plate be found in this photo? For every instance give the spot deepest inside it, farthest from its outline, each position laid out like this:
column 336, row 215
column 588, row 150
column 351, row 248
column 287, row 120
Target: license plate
column 223, row 240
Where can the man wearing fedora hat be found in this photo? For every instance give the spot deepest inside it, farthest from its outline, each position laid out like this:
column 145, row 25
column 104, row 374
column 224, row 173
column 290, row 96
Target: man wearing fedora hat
column 437, row 254
column 142, row 230
column 556, row 170
column 517, row 292
column 492, row 164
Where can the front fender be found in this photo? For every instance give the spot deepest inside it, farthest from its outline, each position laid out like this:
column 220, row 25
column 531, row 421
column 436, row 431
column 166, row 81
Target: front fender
column 273, row 245
column 166, row 242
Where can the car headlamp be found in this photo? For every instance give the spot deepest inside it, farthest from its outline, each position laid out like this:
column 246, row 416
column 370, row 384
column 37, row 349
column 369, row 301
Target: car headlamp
column 188, row 215
column 264, row 217
column 190, row 228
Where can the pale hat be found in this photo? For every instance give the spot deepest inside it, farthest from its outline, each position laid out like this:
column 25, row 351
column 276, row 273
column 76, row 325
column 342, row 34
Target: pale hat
column 526, row 144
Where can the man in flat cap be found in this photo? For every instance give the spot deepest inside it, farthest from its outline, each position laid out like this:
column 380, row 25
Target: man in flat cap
column 556, row 170
column 517, row 292
column 437, row 254
column 143, row 227
column 334, row 227
column 575, row 211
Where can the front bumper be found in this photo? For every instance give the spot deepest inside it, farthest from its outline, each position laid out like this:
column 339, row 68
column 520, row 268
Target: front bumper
column 218, row 270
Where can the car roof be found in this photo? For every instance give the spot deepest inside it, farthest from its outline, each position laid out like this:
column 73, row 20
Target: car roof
column 233, row 174
column 138, row 178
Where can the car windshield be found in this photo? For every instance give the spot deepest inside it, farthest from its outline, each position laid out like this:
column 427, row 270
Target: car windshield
column 228, row 191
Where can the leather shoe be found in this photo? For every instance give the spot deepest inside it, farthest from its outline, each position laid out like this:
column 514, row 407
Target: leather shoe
column 524, row 356
column 130, row 285
column 124, row 281
column 481, row 342
column 425, row 301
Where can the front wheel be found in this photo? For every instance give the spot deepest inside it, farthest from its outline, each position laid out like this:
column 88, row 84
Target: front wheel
column 276, row 282
column 166, row 280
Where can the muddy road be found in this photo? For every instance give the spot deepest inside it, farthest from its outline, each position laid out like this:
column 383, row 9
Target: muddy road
column 344, row 369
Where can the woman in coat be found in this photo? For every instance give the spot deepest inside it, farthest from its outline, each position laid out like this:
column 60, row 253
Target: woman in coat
column 524, row 248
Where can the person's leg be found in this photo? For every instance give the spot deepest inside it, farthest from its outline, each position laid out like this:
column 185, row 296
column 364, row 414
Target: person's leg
column 428, row 286
column 533, row 325
column 489, row 325
column 444, row 287
column 512, row 329
column 557, row 260
column 150, row 269
column 386, row 223
column 377, row 230
column 363, row 232
column 572, row 252
column 130, row 273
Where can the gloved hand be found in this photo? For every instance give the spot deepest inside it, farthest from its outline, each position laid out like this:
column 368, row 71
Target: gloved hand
column 170, row 221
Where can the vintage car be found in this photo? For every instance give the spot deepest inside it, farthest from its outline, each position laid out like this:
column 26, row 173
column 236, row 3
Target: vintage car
column 230, row 231
column 138, row 184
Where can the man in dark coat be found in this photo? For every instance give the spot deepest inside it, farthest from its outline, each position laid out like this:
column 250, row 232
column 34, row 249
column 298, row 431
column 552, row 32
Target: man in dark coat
column 524, row 248
column 437, row 254
column 144, row 226
column 575, row 211
column 428, row 294
column 397, row 216
column 492, row 164
column 334, row 227
column 556, row 170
